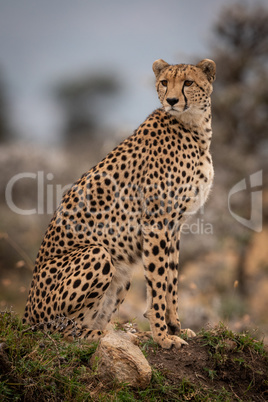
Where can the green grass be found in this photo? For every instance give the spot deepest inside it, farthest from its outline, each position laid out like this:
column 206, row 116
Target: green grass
column 150, row 343
column 43, row 365
column 39, row 366
column 219, row 338
column 221, row 341
column 161, row 390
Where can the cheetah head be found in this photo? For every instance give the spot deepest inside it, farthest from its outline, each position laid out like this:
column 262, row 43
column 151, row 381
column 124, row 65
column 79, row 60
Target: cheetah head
column 184, row 89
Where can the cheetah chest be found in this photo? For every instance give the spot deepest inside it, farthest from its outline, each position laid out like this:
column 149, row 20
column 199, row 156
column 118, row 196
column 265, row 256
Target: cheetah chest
column 198, row 191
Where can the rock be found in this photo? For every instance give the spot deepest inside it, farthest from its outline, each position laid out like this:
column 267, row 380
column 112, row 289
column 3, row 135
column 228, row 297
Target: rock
column 117, row 358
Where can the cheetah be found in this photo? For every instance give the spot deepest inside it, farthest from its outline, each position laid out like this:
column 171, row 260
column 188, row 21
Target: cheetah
column 130, row 207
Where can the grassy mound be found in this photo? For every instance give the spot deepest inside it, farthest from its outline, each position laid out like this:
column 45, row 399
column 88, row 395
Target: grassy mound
column 218, row 365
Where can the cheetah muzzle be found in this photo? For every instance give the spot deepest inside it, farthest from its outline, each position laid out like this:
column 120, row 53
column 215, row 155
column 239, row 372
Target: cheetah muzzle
column 130, row 206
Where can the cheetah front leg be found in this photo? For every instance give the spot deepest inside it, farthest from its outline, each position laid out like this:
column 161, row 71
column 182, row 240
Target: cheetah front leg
column 172, row 318
column 156, row 250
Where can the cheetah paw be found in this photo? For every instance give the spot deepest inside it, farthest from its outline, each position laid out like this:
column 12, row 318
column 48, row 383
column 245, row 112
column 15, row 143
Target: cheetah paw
column 170, row 341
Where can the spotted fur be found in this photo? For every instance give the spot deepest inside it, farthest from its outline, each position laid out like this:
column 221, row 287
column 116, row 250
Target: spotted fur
column 130, row 207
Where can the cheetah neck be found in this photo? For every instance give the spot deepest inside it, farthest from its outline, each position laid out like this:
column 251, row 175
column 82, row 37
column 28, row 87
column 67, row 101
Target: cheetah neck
column 199, row 124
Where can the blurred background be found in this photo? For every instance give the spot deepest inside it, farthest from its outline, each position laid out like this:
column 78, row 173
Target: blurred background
column 76, row 79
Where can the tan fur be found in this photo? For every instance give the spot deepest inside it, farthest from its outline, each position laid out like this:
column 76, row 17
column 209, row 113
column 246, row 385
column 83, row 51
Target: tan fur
column 130, row 206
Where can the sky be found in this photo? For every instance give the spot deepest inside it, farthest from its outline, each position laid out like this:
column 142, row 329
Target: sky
column 44, row 42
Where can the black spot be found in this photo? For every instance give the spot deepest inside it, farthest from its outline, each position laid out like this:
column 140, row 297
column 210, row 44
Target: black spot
column 161, row 270
column 89, row 276
column 93, row 295
column 155, row 250
column 80, row 298
column 162, row 244
column 106, row 268
column 97, row 266
column 73, row 295
column 151, row 267
column 85, row 287
column 105, row 286
column 64, row 295
column 77, row 283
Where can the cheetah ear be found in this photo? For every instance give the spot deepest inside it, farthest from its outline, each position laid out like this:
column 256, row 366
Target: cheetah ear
column 158, row 66
column 209, row 68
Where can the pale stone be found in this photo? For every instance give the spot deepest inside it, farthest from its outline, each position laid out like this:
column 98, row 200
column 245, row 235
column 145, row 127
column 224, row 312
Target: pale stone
column 117, row 358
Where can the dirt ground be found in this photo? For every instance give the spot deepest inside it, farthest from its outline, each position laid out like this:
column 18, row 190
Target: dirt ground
column 241, row 372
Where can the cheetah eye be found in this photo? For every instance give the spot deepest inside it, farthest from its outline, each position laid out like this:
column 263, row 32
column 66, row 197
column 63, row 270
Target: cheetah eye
column 188, row 83
column 164, row 83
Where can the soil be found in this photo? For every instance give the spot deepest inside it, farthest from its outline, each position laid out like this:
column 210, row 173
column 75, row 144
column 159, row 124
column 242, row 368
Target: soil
column 243, row 373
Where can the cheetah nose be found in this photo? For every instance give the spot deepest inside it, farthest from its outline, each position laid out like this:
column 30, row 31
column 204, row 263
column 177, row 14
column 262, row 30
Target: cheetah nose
column 172, row 101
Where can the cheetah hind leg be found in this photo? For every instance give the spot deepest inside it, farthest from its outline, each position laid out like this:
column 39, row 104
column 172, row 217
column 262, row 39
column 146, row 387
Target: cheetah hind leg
column 84, row 333
column 89, row 320
column 69, row 329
